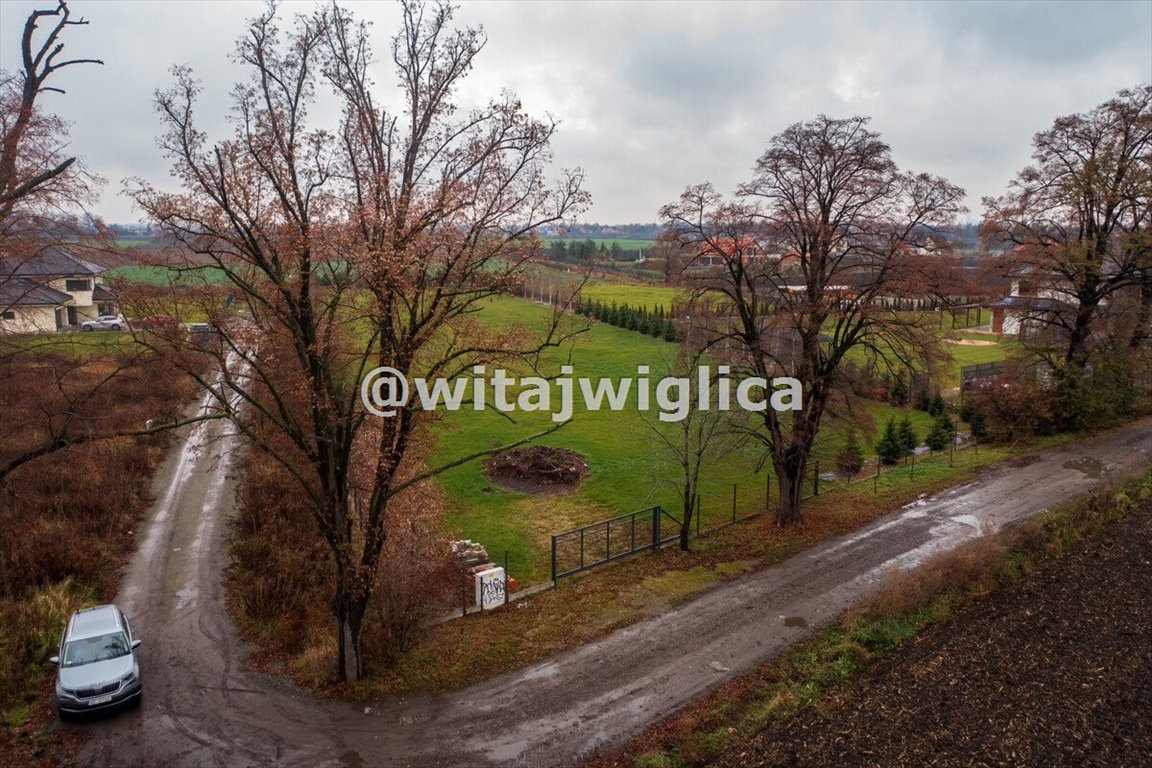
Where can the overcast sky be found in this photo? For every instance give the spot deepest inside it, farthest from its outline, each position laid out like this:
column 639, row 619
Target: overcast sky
column 655, row 96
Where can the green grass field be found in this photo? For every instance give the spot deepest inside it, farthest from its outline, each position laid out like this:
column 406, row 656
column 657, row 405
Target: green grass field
column 629, row 469
column 156, row 275
column 650, row 296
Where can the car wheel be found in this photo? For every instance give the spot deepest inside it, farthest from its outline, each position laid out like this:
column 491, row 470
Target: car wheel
column 64, row 716
column 115, row 326
column 85, row 327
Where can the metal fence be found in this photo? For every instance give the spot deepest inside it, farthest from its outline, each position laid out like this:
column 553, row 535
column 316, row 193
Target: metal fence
column 602, row 542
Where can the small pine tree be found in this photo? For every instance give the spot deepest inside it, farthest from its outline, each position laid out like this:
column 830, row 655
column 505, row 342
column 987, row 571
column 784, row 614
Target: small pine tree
column 899, row 393
column 669, row 331
column 937, row 406
column 940, row 434
column 978, row 424
column 888, row 447
column 907, row 436
column 850, row 460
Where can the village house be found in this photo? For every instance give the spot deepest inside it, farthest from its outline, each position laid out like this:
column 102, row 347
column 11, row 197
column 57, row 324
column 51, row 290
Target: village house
column 50, row 290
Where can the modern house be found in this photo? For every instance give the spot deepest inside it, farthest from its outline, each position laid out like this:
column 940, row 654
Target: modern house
column 1027, row 311
column 50, row 290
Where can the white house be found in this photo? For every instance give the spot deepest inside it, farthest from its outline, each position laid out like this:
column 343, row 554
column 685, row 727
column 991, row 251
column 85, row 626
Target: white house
column 1027, row 311
column 50, row 290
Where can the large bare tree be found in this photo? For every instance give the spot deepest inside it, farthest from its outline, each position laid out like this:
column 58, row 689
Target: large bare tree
column 373, row 244
column 806, row 261
column 1079, row 223
column 43, row 189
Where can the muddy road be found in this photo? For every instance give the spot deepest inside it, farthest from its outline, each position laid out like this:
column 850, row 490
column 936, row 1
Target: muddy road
column 204, row 706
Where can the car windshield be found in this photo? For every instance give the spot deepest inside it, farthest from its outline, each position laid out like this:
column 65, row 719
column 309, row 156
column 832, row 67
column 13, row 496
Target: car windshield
column 90, row 649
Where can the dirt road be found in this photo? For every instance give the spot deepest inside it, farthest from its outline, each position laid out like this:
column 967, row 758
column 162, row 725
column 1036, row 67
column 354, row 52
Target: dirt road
column 203, row 706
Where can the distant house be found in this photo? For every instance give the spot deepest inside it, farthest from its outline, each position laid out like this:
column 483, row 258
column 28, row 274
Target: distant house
column 722, row 249
column 51, row 290
column 1027, row 311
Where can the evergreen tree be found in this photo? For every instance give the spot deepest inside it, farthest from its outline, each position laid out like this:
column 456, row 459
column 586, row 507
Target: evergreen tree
column 889, row 447
column 899, row 393
column 941, row 433
column 850, row 460
column 907, row 436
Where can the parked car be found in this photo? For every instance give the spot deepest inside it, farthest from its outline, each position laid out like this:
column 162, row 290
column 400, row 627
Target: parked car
column 97, row 667
column 105, row 323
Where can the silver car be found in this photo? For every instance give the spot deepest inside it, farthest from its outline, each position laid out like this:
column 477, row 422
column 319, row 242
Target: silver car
column 97, row 665
column 105, row 323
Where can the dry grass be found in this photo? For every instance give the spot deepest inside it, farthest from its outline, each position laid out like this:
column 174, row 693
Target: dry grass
column 68, row 518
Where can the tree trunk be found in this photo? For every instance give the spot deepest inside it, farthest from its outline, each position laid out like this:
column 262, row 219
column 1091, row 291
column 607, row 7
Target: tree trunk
column 686, row 523
column 790, row 472
column 350, row 623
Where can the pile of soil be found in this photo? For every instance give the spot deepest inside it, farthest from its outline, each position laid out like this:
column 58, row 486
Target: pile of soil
column 537, row 469
column 1055, row 671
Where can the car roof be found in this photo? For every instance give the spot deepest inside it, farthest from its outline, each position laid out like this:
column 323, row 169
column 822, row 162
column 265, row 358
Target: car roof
column 90, row 622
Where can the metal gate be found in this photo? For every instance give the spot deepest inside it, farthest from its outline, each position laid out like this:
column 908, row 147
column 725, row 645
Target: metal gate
column 597, row 543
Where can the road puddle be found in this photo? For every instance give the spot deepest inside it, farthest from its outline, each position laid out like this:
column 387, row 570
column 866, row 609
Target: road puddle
column 1091, row 467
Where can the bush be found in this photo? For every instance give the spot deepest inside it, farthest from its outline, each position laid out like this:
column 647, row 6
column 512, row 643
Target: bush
column 850, row 460
column 1015, row 405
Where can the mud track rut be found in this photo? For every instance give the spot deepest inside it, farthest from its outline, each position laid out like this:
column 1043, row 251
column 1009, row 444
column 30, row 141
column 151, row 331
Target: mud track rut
column 204, row 706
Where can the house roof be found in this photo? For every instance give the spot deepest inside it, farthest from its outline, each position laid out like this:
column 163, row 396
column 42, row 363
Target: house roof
column 728, row 246
column 18, row 292
column 101, row 293
column 49, row 262
column 1029, row 303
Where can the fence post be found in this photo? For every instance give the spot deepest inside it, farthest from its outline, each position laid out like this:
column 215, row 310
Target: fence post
column 767, row 490
column 655, row 527
column 876, row 479
column 506, row 577
column 463, row 595
column 912, row 471
column 553, row 559
column 816, row 478
column 581, row 549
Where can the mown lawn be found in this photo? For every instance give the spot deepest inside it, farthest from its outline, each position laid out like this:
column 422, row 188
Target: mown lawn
column 629, row 468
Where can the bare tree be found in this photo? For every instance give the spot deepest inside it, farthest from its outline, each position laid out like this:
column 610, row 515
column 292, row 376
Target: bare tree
column 807, row 260
column 697, row 439
column 373, row 245
column 37, row 180
column 1079, row 221
column 42, row 188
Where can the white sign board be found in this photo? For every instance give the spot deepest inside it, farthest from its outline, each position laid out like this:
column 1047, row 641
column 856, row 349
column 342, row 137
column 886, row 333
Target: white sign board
column 490, row 588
